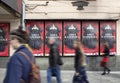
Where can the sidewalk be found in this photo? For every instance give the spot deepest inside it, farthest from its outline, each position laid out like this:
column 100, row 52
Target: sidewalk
column 94, row 77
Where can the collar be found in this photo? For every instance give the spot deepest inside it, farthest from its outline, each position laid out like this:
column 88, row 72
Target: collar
column 21, row 47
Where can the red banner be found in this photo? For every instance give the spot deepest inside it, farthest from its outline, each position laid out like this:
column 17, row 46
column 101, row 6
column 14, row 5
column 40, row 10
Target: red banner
column 4, row 36
column 71, row 33
column 53, row 29
column 35, row 30
column 108, row 34
column 90, row 37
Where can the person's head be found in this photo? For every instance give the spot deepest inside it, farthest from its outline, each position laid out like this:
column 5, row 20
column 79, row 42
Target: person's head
column 52, row 41
column 77, row 44
column 18, row 37
column 106, row 44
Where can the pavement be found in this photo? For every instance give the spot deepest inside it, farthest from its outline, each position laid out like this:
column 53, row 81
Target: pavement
column 94, row 77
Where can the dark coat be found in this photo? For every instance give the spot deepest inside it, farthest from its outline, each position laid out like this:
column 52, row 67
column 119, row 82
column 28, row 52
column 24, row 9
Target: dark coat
column 18, row 67
column 106, row 54
column 78, row 61
column 106, row 51
column 53, row 55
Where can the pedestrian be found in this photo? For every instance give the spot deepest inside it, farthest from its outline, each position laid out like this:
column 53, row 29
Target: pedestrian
column 105, row 60
column 80, row 64
column 54, row 62
column 19, row 68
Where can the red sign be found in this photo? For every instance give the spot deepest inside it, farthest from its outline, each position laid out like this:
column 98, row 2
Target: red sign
column 90, row 37
column 4, row 36
column 35, row 30
column 108, row 34
column 71, row 33
column 53, row 29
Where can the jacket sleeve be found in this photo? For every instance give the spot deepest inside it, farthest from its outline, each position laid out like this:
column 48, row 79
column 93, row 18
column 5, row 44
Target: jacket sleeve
column 14, row 71
column 55, row 54
column 76, row 63
column 106, row 51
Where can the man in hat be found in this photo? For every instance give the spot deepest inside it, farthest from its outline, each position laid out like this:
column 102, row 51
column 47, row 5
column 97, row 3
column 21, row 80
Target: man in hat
column 18, row 67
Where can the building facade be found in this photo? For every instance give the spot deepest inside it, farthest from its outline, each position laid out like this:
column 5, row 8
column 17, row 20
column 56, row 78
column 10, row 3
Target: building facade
column 10, row 18
column 69, row 23
column 63, row 20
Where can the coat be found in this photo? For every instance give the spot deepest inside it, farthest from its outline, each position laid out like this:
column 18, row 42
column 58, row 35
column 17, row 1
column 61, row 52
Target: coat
column 18, row 67
column 53, row 55
column 78, row 60
column 106, row 54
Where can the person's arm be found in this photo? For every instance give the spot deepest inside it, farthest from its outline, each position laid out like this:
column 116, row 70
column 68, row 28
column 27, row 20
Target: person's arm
column 55, row 54
column 14, row 71
column 77, row 66
column 77, row 58
column 106, row 51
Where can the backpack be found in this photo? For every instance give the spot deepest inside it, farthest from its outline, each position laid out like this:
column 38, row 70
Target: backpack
column 34, row 76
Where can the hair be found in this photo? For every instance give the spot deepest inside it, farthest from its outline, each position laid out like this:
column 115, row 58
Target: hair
column 20, row 35
column 106, row 44
column 79, row 44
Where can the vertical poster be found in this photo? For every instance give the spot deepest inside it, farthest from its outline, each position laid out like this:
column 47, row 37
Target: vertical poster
column 35, row 30
column 53, row 29
column 108, row 34
column 71, row 33
column 90, row 37
column 4, row 36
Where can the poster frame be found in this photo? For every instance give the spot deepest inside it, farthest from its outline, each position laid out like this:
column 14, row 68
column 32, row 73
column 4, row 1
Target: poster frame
column 8, row 38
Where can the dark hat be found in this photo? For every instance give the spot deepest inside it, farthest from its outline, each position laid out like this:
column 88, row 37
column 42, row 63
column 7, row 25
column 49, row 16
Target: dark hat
column 20, row 34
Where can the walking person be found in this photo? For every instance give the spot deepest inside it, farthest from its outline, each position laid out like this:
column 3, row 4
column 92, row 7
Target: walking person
column 54, row 62
column 19, row 68
column 80, row 64
column 105, row 60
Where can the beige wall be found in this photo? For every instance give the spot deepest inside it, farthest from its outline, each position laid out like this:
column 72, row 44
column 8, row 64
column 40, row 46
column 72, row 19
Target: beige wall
column 118, row 38
column 14, row 23
column 100, row 9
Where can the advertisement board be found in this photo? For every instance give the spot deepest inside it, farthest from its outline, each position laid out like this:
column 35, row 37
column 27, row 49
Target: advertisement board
column 35, row 30
column 53, row 29
column 4, row 38
column 71, row 33
column 108, row 34
column 90, row 37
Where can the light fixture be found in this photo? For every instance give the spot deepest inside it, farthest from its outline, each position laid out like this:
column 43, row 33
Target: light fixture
column 80, row 4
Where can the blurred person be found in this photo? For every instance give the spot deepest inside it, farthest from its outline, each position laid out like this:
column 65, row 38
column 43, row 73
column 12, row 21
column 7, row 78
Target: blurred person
column 18, row 68
column 54, row 62
column 80, row 64
column 105, row 60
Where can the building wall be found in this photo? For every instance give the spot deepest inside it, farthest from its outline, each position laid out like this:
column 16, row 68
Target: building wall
column 118, row 37
column 63, row 9
column 14, row 23
column 96, row 10
column 100, row 9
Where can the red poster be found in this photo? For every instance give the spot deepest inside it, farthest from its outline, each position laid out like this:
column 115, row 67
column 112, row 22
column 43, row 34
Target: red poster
column 53, row 29
column 35, row 30
column 108, row 34
column 90, row 37
column 4, row 36
column 71, row 33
